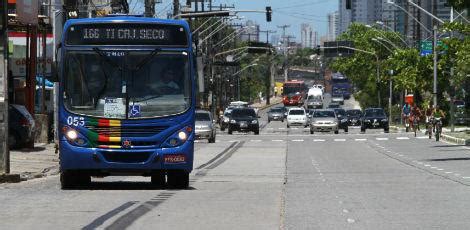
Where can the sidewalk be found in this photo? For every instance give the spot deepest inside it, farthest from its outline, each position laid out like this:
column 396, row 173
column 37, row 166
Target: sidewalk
column 32, row 163
column 262, row 105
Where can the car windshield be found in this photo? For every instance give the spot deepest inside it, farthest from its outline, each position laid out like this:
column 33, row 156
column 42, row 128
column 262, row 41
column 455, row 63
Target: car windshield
column 203, row 117
column 126, row 84
column 323, row 113
column 296, row 112
column 243, row 113
column 276, row 111
column 374, row 113
column 340, row 112
column 354, row 112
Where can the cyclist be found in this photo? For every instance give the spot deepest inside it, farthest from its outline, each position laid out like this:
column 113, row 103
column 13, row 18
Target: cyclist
column 415, row 114
column 428, row 114
column 437, row 113
column 406, row 112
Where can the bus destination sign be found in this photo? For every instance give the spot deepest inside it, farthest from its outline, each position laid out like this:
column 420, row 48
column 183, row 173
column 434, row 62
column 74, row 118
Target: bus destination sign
column 127, row 34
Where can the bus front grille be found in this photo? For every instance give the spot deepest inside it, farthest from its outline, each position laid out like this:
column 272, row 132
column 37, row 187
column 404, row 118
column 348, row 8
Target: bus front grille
column 128, row 131
column 126, row 157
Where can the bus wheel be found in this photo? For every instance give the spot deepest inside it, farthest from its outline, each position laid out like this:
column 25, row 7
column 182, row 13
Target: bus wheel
column 178, row 179
column 158, row 179
column 67, row 180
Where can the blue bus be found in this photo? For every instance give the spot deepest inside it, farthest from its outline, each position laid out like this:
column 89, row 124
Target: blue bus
column 341, row 86
column 127, row 100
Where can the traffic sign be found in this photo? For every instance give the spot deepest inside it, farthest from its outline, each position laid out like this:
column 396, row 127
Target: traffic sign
column 426, row 47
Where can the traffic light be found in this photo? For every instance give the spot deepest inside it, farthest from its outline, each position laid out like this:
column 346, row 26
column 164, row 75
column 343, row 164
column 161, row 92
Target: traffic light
column 268, row 13
column 317, row 50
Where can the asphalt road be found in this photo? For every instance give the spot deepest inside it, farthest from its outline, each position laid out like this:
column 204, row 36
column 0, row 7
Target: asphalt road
column 281, row 179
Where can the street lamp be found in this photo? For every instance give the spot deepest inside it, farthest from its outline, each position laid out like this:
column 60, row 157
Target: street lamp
column 381, row 43
column 394, row 32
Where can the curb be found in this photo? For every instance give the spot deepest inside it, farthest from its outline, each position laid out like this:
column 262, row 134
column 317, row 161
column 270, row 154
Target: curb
column 459, row 141
column 10, row 178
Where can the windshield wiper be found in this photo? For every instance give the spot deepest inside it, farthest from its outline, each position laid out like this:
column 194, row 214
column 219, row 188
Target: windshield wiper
column 146, row 99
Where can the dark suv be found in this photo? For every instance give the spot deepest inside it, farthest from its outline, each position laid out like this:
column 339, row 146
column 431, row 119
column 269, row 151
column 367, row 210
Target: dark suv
column 374, row 118
column 243, row 120
column 342, row 119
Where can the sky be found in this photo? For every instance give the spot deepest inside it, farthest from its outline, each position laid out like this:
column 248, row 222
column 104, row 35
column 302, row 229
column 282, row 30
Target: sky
column 290, row 12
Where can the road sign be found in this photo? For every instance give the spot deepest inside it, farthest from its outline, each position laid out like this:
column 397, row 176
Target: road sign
column 338, row 49
column 426, row 47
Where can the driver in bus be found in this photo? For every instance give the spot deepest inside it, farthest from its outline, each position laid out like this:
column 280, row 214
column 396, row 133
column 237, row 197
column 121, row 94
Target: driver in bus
column 167, row 83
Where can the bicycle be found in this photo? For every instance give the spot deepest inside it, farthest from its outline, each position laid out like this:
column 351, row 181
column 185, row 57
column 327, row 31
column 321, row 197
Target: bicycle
column 429, row 125
column 438, row 124
column 407, row 122
column 415, row 124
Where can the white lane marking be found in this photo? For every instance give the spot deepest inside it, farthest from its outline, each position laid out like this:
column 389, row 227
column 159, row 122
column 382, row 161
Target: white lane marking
column 255, row 140
column 457, row 174
column 400, row 155
column 298, row 140
column 350, row 220
column 360, row 139
column 448, row 172
column 318, row 140
column 420, row 163
column 440, row 169
column 345, row 210
column 340, row 140
column 281, row 128
column 232, row 141
column 197, row 141
column 422, row 137
column 294, row 128
column 277, row 140
column 382, row 138
column 217, row 141
column 434, row 167
column 427, row 165
column 466, row 177
column 270, row 128
column 306, row 128
column 403, row 138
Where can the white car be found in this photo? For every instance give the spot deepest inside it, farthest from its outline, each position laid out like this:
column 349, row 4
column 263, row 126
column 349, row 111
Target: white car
column 318, row 86
column 297, row 116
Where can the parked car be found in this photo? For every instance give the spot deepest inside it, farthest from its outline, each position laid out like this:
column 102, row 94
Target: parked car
column 342, row 119
column 374, row 118
column 354, row 117
column 224, row 121
column 21, row 126
column 324, row 120
column 296, row 116
column 243, row 120
column 205, row 127
column 276, row 114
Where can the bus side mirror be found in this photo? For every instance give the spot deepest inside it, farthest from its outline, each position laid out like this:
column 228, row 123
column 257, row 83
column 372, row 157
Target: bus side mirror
column 55, row 64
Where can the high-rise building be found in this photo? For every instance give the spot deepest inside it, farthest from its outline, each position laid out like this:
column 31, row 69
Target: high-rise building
column 333, row 25
column 344, row 15
column 251, row 33
column 307, row 36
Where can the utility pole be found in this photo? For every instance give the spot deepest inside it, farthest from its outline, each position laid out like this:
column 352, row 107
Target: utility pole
column 434, row 91
column 149, row 8
column 284, row 48
column 176, row 7
column 4, row 151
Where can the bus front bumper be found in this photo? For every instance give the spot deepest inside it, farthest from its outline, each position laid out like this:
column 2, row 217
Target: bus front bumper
column 126, row 161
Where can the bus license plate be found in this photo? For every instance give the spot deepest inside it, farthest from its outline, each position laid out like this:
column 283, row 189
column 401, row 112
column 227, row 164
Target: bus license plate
column 175, row 158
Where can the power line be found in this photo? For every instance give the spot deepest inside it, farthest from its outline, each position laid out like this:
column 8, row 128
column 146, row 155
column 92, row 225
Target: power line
column 301, row 5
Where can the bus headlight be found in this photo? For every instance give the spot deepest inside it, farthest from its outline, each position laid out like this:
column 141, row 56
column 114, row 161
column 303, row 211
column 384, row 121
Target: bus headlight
column 71, row 134
column 74, row 137
column 178, row 138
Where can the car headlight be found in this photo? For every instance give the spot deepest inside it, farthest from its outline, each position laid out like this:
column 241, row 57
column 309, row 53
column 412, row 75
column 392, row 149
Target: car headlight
column 367, row 121
column 344, row 120
column 233, row 121
column 178, row 138
column 384, row 120
column 254, row 122
column 226, row 119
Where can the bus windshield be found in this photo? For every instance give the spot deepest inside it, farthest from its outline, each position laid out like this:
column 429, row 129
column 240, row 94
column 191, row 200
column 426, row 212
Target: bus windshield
column 126, row 84
column 290, row 89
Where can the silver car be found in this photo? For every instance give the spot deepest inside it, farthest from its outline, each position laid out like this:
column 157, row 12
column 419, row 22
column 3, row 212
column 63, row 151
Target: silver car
column 205, row 128
column 324, row 120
